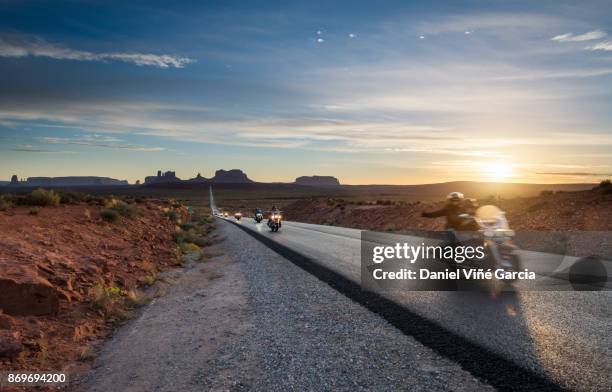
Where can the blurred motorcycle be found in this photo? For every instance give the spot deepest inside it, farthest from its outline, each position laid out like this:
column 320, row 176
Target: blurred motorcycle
column 274, row 223
column 493, row 231
column 238, row 216
column 258, row 216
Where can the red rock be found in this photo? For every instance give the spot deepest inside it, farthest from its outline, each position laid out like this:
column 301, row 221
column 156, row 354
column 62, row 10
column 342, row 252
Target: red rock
column 10, row 346
column 6, row 321
column 24, row 293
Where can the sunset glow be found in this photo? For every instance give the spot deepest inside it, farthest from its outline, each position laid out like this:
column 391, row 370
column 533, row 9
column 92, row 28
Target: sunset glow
column 393, row 93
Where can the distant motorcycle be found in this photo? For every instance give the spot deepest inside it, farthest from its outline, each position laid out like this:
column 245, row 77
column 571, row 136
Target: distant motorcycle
column 238, row 216
column 274, row 223
column 258, row 216
column 495, row 234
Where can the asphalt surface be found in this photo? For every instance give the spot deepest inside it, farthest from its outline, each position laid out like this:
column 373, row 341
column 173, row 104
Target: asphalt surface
column 247, row 319
column 561, row 336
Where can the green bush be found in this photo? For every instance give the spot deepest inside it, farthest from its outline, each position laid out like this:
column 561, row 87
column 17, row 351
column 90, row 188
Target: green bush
column 188, row 226
column 187, row 247
column 70, row 197
column 125, row 210
column 4, row 204
column 172, row 215
column 190, row 236
column 43, row 198
column 109, row 215
column 537, row 206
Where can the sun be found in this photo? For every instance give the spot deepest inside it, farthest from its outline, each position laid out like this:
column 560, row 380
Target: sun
column 497, row 171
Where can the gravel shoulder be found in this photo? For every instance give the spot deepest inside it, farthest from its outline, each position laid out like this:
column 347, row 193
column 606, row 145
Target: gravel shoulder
column 250, row 320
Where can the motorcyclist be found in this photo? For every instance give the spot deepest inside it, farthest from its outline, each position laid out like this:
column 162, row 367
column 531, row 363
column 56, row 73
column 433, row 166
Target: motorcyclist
column 274, row 210
column 456, row 204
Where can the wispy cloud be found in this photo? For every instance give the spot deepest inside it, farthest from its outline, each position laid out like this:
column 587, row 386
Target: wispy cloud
column 102, row 141
column 578, row 174
column 23, row 46
column 35, row 149
column 570, row 37
column 606, row 45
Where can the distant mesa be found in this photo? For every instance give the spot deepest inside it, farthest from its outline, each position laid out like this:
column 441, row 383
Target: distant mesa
column 66, row 181
column 235, row 176
column 199, row 179
column 317, row 181
column 162, row 178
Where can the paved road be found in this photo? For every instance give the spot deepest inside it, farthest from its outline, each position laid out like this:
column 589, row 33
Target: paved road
column 562, row 335
column 249, row 320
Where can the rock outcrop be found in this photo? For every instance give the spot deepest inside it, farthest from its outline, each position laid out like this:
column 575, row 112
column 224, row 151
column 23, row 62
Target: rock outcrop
column 162, row 178
column 317, row 181
column 10, row 345
column 231, row 176
column 70, row 181
column 24, row 293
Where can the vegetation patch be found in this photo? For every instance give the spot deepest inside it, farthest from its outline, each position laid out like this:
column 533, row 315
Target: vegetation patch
column 40, row 197
column 4, row 204
column 109, row 215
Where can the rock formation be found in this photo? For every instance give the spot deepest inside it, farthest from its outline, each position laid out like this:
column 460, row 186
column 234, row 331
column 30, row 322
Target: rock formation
column 231, row 176
column 317, row 181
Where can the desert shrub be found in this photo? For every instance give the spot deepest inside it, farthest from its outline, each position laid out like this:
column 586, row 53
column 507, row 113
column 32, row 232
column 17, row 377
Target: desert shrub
column 390, row 227
column 105, row 297
column 605, row 184
column 135, row 298
column 43, row 198
column 190, row 236
column 188, row 247
column 124, row 209
column 188, row 226
column 546, row 193
column 148, row 280
column 70, row 197
column 109, row 215
column 4, row 203
column 34, row 211
column 171, row 214
column 537, row 206
column 87, row 354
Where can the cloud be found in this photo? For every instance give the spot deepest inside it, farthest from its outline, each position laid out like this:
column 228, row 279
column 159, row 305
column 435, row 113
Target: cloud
column 34, row 149
column 96, row 140
column 21, row 46
column 580, row 174
column 606, row 45
column 570, row 37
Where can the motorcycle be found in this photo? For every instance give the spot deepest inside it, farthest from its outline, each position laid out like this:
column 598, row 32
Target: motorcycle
column 492, row 231
column 258, row 216
column 274, row 223
column 238, row 216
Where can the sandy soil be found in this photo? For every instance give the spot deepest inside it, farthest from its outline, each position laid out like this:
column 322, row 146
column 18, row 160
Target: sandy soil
column 67, row 250
column 574, row 211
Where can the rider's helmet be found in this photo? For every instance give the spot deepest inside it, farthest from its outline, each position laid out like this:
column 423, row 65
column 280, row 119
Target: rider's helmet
column 455, row 197
column 471, row 203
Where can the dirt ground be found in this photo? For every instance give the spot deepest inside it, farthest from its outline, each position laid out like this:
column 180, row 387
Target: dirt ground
column 63, row 253
column 566, row 211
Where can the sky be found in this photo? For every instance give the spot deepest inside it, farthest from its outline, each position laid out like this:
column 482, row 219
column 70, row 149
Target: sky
column 386, row 92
